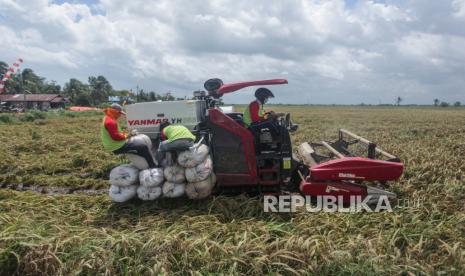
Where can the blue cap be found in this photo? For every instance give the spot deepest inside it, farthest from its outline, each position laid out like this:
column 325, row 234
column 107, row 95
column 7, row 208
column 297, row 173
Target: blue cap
column 118, row 107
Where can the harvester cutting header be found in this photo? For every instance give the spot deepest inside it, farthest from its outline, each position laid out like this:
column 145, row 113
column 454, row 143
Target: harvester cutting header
column 259, row 157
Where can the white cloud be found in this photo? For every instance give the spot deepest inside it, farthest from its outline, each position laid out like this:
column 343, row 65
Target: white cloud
column 386, row 12
column 459, row 6
column 422, row 45
column 367, row 52
column 446, row 52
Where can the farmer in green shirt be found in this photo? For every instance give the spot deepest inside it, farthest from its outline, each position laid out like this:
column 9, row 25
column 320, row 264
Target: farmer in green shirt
column 174, row 138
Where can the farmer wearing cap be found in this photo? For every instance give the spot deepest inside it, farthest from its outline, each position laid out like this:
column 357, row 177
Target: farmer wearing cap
column 116, row 141
column 175, row 138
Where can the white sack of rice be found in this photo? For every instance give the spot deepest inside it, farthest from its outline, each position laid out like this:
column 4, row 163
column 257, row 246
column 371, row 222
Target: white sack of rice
column 151, row 177
column 148, row 193
column 142, row 138
column 122, row 194
column 194, row 156
column 175, row 174
column 202, row 189
column 172, row 190
column 124, row 175
column 137, row 160
column 199, row 172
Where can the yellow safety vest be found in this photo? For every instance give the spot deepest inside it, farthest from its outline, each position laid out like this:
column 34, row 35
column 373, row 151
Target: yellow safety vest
column 108, row 142
column 175, row 132
column 248, row 118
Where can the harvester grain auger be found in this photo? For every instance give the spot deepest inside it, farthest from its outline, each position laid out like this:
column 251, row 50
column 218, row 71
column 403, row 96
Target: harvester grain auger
column 259, row 158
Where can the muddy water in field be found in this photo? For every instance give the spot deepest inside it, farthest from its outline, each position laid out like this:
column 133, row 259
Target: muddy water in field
column 54, row 190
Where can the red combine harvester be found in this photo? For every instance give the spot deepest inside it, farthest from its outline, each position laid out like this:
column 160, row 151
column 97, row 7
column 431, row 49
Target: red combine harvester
column 260, row 158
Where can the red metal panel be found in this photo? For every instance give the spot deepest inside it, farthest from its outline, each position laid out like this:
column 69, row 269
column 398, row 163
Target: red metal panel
column 231, row 179
column 344, row 189
column 356, row 168
column 231, row 87
column 220, row 119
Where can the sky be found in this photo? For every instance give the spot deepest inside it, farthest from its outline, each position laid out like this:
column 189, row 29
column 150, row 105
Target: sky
column 331, row 52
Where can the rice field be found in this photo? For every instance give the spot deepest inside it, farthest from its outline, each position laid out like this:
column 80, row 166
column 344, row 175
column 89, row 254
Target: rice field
column 55, row 217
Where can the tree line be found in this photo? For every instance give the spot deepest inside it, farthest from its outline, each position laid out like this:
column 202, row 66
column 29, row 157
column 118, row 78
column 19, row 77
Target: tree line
column 436, row 102
column 93, row 93
column 97, row 89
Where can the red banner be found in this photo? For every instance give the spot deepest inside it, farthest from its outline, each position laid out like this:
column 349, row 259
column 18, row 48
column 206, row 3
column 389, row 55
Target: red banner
column 8, row 74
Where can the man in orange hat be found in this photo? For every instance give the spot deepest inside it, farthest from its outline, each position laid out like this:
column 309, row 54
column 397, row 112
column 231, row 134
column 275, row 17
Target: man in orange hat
column 116, row 141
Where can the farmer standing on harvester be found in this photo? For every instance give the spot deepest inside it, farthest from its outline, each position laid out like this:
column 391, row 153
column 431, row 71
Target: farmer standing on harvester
column 116, row 141
column 175, row 138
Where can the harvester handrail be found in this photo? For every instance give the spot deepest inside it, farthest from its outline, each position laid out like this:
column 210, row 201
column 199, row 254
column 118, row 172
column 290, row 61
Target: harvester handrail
column 333, row 150
column 367, row 142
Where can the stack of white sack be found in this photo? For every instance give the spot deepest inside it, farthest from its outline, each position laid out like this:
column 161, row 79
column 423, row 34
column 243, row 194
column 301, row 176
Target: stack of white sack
column 122, row 193
column 202, row 189
column 151, row 177
column 172, row 190
column 137, row 160
column 175, row 181
column 199, row 171
column 148, row 193
column 150, row 184
column 193, row 156
column 123, row 180
column 175, row 174
column 194, row 166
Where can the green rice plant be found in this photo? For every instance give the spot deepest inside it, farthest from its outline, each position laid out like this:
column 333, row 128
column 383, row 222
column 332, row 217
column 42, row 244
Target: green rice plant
column 27, row 117
column 6, row 118
column 32, row 115
column 38, row 114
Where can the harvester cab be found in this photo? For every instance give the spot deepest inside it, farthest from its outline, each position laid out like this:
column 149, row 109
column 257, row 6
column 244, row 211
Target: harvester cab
column 260, row 158
column 255, row 158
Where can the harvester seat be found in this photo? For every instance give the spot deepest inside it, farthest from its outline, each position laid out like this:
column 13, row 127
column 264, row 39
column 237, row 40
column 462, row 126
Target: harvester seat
column 266, row 135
